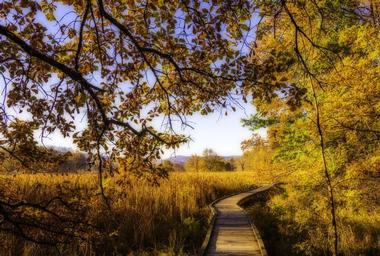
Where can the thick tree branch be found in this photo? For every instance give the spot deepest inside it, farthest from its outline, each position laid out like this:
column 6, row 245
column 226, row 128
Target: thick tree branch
column 80, row 42
column 76, row 76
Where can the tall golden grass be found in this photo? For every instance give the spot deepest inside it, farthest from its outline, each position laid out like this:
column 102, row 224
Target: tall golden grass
column 144, row 219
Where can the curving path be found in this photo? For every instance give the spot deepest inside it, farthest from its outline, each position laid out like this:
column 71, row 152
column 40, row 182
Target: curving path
column 233, row 233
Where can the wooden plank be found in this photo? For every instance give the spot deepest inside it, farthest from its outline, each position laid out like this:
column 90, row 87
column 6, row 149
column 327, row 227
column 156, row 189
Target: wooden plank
column 233, row 233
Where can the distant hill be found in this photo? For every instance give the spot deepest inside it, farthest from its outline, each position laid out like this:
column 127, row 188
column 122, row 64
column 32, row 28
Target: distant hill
column 230, row 157
column 182, row 159
column 178, row 159
column 61, row 149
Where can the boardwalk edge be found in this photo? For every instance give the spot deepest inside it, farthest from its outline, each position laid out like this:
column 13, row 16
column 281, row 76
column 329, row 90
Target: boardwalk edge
column 206, row 241
column 253, row 227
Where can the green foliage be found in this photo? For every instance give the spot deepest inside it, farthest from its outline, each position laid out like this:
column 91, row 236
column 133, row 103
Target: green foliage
column 256, row 122
column 295, row 143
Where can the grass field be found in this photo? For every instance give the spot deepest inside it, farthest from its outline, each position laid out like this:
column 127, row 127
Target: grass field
column 144, row 219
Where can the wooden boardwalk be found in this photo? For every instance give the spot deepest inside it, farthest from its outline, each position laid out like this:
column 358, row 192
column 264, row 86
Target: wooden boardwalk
column 233, row 233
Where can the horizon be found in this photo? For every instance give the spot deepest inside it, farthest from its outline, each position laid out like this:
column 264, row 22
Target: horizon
column 223, row 134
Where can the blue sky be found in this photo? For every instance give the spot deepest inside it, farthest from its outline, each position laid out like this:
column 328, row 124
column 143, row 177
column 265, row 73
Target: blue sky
column 221, row 133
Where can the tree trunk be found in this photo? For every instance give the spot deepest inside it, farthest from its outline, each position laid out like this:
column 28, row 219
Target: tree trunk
column 326, row 171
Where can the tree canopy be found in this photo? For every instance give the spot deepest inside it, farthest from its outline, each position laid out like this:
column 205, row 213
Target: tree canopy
column 120, row 67
column 311, row 67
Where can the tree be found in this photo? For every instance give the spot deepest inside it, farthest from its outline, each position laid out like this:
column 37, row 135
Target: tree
column 75, row 161
column 257, row 157
column 167, row 165
column 230, row 165
column 208, row 162
column 119, row 66
column 212, row 162
column 63, row 59
column 241, row 164
column 194, row 164
column 317, row 59
column 25, row 154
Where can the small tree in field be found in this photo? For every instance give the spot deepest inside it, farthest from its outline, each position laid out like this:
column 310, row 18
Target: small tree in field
column 194, row 164
column 213, row 162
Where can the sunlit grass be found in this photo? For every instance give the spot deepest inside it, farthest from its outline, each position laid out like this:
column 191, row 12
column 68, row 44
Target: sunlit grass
column 171, row 217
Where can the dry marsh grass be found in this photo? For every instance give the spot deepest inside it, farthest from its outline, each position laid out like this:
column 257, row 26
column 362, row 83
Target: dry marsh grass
column 144, row 219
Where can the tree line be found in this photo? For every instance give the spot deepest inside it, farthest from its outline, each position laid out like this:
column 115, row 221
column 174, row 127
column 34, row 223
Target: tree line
column 48, row 160
column 209, row 162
